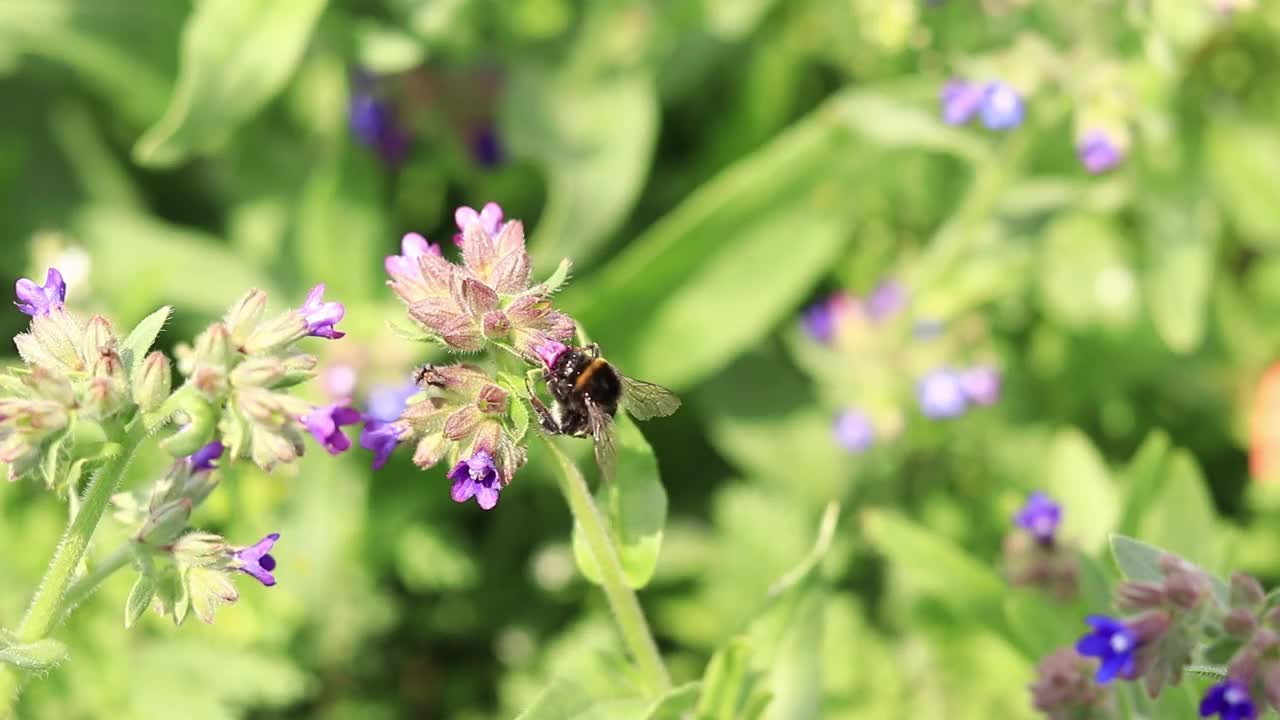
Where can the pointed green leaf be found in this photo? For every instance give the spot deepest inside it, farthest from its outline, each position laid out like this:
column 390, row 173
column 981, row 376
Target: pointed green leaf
column 1140, row 562
column 1244, row 174
column 634, row 504
column 1141, row 479
column 567, row 700
column 676, row 703
column 39, row 656
column 235, row 57
column 723, row 681
column 139, row 599
column 142, row 337
column 1180, row 516
column 1180, row 243
column 1078, row 478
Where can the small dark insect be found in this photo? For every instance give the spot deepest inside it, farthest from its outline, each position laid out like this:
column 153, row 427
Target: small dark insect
column 588, row 391
column 427, row 376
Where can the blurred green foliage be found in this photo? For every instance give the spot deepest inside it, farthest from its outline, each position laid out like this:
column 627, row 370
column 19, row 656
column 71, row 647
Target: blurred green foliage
column 710, row 166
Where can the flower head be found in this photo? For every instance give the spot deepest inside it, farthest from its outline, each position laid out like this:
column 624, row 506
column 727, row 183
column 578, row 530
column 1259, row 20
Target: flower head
column 476, row 476
column 1064, row 687
column 202, row 459
column 549, row 351
column 256, row 560
column 325, row 423
column 321, row 316
column 381, row 438
column 1098, row 152
column 1040, row 517
column 1112, row 642
column 941, row 395
column 1002, row 106
column 381, row 434
column 36, row 299
column 374, row 123
column 981, row 385
column 404, row 267
column 490, row 218
column 1229, row 700
column 960, row 101
column 853, row 430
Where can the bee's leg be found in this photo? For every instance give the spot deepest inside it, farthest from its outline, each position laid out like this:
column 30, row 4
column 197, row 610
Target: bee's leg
column 545, row 419
column 594, row 349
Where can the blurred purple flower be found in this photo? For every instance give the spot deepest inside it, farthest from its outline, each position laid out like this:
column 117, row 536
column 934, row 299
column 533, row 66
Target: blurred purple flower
column 960, row 100
column 476, row 476
column 321, row 316
column 853, row 430
column 1040, row 517
column 486, row 147
column 981, row 385
column 256, row 560
column 202, row 459
column 886, row 300
column 374, row 123
column 381, row 438
column 382, row 408
column 325, row 424
column 1098, row 152
column 339, row 382
column 36, row 299
column 941, row 395
column 822, row 319
column 490, row 218
column 1113, row 643
column 1002, row 106
column 1229, row 700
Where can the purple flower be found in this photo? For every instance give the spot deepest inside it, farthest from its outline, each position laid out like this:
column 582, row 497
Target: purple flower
column 822, row 319
column 202, row 459
column 941, row 395
column 1113, row 643
column 405, row 265
column 476, row 476
column 374, row 123
column 321, row 316
column 386, row 402
column 36, row 299
column 256, row 560
column 325, row 423
column 1229, row 700
column 1002, row 107
column 981, row 385
column 486, row 147
column 960, row 100
column 886, row 299
column 853, row 430
column 381, row 438
column 383, row 407
column 549, row 351
column 1040, row 517
column 490, row 218
column 1097, row 152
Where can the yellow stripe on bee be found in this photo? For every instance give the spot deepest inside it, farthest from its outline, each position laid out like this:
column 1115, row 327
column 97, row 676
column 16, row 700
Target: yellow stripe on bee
column 587, row 373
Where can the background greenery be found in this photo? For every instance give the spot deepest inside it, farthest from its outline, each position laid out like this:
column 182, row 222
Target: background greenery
column 711, row 166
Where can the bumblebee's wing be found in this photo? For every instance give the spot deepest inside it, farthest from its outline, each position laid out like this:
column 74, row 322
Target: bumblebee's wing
column 645, row 400
column 601, row 424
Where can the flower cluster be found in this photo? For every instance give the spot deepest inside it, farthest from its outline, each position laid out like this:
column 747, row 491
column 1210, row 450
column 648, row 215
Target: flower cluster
column 876, row 339
column 468, row 414
column 238, row 373
column 1034, row 556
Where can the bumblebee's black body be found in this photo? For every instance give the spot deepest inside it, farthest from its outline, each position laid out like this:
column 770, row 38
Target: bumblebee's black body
column 578, row 380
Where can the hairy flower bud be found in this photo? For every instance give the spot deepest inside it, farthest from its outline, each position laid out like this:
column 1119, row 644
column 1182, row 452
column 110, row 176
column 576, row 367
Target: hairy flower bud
column 98, row 338
column 1185, row 588
column 492, row 400
column 213, row 348
column 263, row 371
column 199, row 549
column 164, row 523
column 54, row 342
column 152, row 381
column 1246, row 591
column 1139, row 596
column 244, row 316
column 1240, row 623
column 276, row 334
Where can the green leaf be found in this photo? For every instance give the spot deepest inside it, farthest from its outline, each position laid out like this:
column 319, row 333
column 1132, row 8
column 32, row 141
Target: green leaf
column 567, row 700
column 39, row 656
column 634, row 504
column 594, row 134
column 1086, row 279
column 1140, row 562
column 711, row 279
column 139, row 599
column 1180, row 242
column 235, row 57
column 1180, row 517
column 1244, row 173
column 887, row 121
column 1036, row 623
column 723, row 682
column 1141, row 480
column 139, row 341
column 1078, row 478
column 675, row 703
column 341, row 228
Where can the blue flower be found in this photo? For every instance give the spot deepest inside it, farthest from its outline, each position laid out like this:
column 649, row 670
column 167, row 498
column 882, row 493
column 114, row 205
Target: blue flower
column 386, row 402
column 1002, row 106
column 256, row 560
column 960, row 100
column 1098, row 152
column 36, row 299
column 941, row 394
column 486, row 147
column 1113, row 643
column 981, row 385
column 476, row 477
column 1229, row 700
column 853, row 430
column 1040, row 517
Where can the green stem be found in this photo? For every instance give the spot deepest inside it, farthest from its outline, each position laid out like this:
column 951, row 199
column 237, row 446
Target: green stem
column 45, row 608
column 622, row 599
column 81, row 589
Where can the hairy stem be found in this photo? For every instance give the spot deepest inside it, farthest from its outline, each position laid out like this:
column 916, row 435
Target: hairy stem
column 45, row 608
column 81, row 589
column 622, row 599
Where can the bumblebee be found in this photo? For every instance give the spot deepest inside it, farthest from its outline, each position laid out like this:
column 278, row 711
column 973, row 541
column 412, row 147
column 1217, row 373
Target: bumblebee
column 588, row 391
